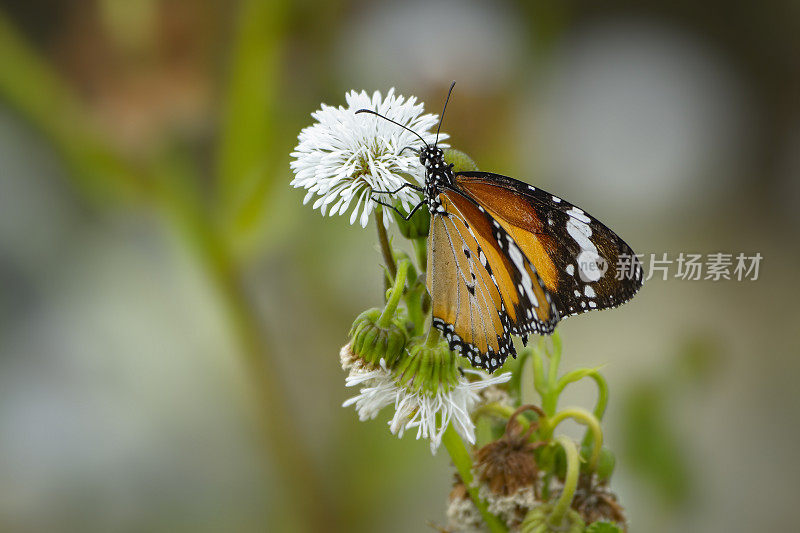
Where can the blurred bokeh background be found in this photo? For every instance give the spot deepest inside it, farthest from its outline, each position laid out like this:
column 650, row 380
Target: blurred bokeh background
column 170, row 315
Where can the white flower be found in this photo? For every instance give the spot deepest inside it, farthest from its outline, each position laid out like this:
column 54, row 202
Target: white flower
column 343, row 156
column 429, row 412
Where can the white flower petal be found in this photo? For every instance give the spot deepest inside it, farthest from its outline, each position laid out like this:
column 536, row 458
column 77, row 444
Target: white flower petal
column 429, row 413
column 342, row 157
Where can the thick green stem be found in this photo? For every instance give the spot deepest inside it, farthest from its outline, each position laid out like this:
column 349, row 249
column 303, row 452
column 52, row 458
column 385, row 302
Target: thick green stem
column 581, row 416
column 540, row 383
column 414, row 309
column 394, row 298
column 555, row 360
column 461, row 459
column 383, row 240
column 421, row 251
column 433, row 338
column 570, row 482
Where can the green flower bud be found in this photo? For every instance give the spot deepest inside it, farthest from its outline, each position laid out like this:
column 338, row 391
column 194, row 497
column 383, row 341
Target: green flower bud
column 538, row 521
column 370, row 342
column 430, row 368
column 605, row 462
column 460, row 161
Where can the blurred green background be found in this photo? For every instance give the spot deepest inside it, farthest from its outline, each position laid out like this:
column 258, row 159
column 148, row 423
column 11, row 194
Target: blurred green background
column 170, row 315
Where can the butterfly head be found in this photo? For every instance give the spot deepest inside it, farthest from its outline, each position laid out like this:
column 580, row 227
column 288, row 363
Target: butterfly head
column 432, row 158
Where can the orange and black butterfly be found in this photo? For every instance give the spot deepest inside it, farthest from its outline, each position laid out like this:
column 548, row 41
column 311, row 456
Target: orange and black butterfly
column 506, row 258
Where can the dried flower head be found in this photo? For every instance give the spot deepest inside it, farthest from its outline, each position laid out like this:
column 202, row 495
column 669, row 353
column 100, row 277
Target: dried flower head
column 596, row 502
column 507, row 465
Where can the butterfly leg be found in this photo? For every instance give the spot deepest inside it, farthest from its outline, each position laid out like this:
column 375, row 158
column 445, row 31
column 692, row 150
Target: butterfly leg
column 390, row 206
column 403, row 186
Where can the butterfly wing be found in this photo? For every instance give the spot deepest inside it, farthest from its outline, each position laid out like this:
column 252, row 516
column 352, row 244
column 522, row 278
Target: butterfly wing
column 584, row 265
column 482, row 285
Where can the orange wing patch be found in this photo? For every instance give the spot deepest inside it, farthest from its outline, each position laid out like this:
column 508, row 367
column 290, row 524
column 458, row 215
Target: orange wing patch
column 467, row 305
column 573, row 252
column 482, row 285
column 523, row 225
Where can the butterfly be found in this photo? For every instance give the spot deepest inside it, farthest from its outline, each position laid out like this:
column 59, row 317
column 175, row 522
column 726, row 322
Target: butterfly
column 506, row 258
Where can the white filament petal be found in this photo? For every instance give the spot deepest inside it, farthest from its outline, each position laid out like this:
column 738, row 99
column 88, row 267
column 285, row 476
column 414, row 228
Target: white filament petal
column 345, row 156
column 430, row 413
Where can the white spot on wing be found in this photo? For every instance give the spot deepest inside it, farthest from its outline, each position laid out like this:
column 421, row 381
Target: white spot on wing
column 588, row 263
column 578, row 214
column 579, row 229
column 519, row 262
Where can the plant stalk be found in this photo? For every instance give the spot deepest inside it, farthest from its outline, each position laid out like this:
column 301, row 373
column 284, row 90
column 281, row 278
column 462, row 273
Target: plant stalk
column 461, row 459
column 383, row 239
column 570, row 482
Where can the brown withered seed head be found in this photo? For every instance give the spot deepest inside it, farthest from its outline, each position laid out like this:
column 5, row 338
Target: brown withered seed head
column 507, row 464
column 596, row 502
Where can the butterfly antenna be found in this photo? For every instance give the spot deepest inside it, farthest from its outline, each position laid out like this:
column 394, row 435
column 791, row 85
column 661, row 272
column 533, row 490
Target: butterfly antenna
column 370, row 111
column 441, row 118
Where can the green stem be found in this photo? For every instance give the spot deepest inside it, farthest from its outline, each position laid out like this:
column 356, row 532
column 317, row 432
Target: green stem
column 421, row 250
column 433, row 338
column 394, row 298
column 494, row 409
column 527, row 386
column 538, row 373
column 461, row 459
column 602, row 394
column 602, row 401
column 555, row 360
column 581, row 416
column 413, row 299
column 383, row 239
column 570, row 482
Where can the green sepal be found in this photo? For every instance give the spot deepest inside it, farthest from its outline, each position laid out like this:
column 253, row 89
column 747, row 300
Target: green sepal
column 605, row 462
column 371, row 343
column 429, row 368
column 460, row 161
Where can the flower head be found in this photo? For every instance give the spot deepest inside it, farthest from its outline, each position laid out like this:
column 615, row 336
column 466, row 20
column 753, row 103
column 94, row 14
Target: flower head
column 343, row 157
column 429, row 405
